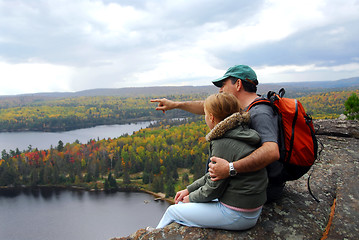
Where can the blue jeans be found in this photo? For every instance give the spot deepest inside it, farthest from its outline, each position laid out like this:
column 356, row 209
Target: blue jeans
column 209, row 215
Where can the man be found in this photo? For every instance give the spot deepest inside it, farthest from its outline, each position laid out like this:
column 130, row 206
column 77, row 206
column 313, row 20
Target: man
column 241, row 81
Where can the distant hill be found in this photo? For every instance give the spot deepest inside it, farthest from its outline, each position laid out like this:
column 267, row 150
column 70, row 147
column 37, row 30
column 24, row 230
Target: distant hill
column 293, row 89
column 67, row 111
column 299, row 89
column 148, row 91
column 343, row 83
column 125, row 92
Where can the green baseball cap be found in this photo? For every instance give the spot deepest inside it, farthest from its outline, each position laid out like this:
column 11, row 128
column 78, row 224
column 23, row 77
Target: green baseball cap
column 242, row 72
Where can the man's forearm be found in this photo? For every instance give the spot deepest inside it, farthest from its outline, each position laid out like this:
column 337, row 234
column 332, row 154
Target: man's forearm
column 195, row 107
column 260, row 158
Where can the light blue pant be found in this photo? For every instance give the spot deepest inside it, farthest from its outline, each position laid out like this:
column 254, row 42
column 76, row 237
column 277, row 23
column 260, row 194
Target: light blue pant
column 209, row 215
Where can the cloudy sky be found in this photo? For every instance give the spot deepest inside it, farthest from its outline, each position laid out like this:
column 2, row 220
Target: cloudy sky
column 68, row 45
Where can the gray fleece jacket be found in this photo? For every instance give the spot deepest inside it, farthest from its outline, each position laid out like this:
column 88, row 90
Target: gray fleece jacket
column 232, row 140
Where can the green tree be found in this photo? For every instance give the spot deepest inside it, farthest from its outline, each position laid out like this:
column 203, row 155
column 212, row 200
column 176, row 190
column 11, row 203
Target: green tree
column 106, row 185
column 197, row 169
column 352, row 107
column 185, row 179
column 170, row 189
column 60, row 146
column 4, row 155
column 112, row 181
column 145, row 177
column 88, row 177
column 34, row 177
column 157, row 184
column 126, row 178
column 8, row 175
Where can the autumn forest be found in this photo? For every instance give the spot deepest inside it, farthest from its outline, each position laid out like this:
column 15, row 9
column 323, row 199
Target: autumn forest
column 163, row 158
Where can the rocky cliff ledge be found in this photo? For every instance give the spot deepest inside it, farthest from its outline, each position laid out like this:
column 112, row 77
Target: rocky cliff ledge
column 334, row 181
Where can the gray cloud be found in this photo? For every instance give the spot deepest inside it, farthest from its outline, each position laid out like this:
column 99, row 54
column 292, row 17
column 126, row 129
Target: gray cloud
column 108, row 43
column 324, row 46
column 56, row 32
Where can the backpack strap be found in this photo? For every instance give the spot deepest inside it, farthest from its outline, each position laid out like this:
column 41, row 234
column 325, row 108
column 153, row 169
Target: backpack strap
column 258, row 101
column 269, row 100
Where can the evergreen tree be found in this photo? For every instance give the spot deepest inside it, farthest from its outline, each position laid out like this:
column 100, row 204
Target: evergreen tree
column 88, row 178
column 145, row 178
column 48, row 174
column 185, row 179
column 34, row 177
column 170, row 189
column 117, row 168
column 106, row 185
column 41, row 176
column 97, row 170
column 197, row 169
column 4, row 155
column 60, row 146
column 352, row 107
column 175, row 174
column 126, row 177
column 112, row 181
column 8, row 175
column 55, row 175
column 157, row 184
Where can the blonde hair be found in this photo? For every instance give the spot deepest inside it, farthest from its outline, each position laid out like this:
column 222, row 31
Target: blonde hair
column 223, row 105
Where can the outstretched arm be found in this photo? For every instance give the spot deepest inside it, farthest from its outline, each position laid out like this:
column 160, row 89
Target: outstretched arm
column 164, row 104
column 260, row 158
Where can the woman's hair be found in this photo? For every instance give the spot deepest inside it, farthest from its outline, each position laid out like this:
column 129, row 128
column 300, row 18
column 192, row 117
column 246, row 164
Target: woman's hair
column 222, row 105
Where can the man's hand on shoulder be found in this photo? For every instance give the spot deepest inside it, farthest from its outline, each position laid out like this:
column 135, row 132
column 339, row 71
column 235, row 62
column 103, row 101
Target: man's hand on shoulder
column 218, row 168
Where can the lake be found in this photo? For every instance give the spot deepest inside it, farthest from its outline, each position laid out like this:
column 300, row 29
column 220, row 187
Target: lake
column 44, row 140
column 64, row 214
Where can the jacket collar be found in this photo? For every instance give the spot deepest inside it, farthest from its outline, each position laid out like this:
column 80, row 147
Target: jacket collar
column 227, row 124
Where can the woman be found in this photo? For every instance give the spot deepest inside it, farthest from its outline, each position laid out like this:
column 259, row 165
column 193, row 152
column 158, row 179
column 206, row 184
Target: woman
column 234, row 203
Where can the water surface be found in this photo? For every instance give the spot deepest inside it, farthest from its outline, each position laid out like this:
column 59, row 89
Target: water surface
column 44, row 140
column 65, row 214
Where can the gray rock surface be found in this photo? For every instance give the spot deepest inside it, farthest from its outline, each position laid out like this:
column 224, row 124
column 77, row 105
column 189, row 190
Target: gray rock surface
column 336, row 127
column 297, row 215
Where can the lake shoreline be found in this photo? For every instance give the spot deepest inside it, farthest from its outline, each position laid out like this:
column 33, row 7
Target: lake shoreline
column 157, row 196
column 66, row 129
column 44, row 140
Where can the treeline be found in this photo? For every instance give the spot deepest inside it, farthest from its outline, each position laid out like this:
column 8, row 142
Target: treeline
column 156, row 159
column 41, row 114
column 326, row 105
column 82, row 112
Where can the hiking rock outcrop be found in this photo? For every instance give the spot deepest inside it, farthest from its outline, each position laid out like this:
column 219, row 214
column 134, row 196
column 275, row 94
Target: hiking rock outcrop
column 333, row 181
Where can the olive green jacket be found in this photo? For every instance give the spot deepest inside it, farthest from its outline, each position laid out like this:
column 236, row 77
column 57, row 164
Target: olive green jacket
column 232, row 140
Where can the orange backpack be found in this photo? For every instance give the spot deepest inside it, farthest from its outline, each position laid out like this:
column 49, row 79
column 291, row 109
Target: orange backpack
column 297, row 141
